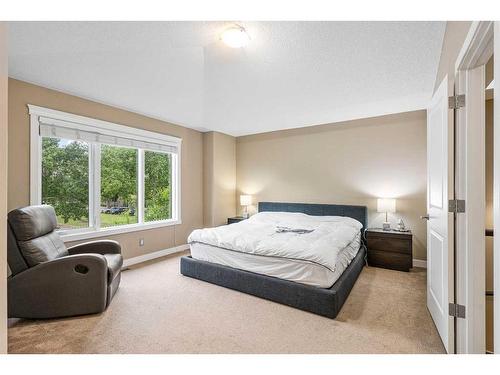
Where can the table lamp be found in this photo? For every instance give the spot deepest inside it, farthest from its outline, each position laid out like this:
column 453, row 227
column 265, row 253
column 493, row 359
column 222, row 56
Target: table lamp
column 245, row 201
column 387, row 206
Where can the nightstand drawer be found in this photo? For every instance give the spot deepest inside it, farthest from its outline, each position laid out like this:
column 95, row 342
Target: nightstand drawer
column 394, row 261
column 392, row 245
column 236, row 219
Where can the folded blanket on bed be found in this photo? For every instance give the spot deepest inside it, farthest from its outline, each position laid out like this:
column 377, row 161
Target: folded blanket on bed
column 323, row 238
column 280, row 229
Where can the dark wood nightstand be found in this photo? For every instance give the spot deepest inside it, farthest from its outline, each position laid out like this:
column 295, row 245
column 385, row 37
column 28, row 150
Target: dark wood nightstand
column 236, row 219
column 389, row 249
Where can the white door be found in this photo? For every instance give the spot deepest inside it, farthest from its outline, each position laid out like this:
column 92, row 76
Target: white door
column 440, row 281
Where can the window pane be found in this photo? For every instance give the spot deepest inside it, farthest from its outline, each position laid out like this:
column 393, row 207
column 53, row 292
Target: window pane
column 157, row 186
column 118, row 186
column 65, row 180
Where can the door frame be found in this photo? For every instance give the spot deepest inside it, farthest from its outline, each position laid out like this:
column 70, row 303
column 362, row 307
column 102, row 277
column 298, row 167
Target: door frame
column 496, row 188
column 470, row 186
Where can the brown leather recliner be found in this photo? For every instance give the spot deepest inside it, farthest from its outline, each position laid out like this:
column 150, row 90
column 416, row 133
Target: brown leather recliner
column 51, row 281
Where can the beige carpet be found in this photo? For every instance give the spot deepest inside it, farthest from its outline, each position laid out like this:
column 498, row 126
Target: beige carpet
column 157, row 310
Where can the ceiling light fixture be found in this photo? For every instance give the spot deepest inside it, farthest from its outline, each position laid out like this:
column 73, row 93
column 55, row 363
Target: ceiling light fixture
column 235, row 37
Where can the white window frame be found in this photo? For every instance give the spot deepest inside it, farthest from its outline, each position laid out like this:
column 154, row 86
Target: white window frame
column 94, row 230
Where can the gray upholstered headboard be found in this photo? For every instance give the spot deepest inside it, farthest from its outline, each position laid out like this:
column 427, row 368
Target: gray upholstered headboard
column 356, row 212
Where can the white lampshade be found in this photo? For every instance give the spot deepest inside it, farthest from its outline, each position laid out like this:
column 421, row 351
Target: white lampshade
column 245, row 200
column 386, row 205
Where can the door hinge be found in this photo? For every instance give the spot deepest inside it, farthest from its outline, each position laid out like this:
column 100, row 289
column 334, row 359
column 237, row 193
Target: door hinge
column 456, row 310
column 456, row 205
column 456, row 101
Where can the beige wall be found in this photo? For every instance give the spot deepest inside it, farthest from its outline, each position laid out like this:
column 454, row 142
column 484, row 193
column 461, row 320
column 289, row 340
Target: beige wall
column 454, row 38
column 352, row 162
column 208, row 176
column 219, row 178
column 489, row 72
column 21, row 93
column 3, row 187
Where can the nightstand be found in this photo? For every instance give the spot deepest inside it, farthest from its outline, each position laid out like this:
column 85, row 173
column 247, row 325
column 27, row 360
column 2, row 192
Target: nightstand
column 236, row 219
column 389, row 249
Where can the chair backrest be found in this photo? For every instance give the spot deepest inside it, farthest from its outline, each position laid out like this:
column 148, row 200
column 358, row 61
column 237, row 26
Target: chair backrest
column 14, row 257
column 32, row 237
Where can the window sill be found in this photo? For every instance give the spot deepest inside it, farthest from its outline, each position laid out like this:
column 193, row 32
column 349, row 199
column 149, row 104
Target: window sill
column 104, row 232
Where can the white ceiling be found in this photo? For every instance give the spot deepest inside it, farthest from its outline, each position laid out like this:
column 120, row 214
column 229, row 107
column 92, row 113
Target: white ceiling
column 292, row 74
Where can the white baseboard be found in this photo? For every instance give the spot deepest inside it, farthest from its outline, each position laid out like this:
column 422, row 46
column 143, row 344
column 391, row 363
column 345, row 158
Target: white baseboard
column 419, row 263
column 156, row 254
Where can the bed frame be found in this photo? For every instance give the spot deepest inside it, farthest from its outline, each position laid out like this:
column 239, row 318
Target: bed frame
column 325, row 302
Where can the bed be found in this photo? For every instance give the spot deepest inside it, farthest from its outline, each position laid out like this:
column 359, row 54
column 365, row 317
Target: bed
column 319, row 281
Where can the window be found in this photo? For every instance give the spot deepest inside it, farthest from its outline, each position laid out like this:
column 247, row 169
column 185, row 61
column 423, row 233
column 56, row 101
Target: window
column 118, row 186
column 157, row 183
column 102, row 178
column 65, row 181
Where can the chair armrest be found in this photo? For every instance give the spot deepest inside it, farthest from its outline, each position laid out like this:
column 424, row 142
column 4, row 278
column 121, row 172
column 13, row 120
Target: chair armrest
column 66, row 286
column 96, row 247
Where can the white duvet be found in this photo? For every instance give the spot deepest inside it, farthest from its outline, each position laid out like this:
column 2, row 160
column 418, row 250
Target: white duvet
column 260, row 235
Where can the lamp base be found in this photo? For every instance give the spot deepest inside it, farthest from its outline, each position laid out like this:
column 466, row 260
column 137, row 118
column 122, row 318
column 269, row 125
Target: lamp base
column 245, row 215
column 386, row 225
